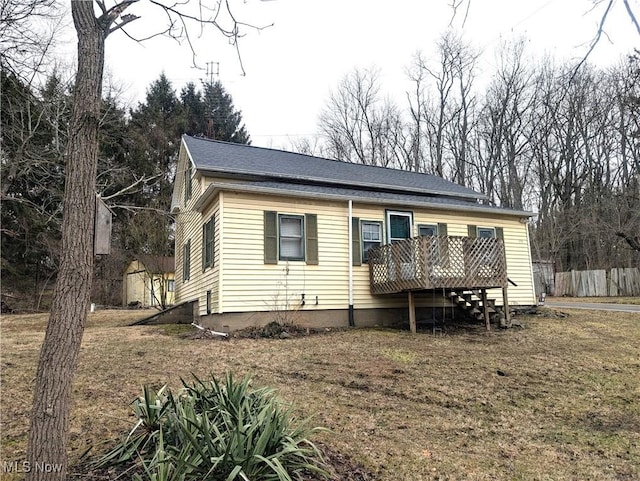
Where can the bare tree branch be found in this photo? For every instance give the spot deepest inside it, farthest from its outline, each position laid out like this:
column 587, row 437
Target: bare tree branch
column 455, row 5
column 206, row 16
column 109, row 17
column 634, row 242
column 597, row 37
column 128, row 188
column 125, row 20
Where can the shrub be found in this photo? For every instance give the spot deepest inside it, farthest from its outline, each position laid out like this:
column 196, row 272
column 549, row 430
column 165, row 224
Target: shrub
column 217, row 431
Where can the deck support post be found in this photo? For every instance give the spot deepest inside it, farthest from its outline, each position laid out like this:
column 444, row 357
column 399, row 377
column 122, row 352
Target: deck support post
column 505, row 306
column 412, row 313
column 485, row 308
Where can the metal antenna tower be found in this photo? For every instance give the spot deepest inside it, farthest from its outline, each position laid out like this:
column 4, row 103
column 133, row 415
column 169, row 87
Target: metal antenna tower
column 213, row 68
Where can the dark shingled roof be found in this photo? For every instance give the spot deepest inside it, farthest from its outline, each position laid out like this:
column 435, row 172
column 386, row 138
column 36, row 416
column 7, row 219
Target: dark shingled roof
column 211, row 156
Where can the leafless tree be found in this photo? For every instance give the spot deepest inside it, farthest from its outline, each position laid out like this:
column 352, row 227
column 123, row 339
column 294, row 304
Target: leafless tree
column 59, row 353
column 504, row 159
column 27, row 34
column 417, row 105
column 461, row 8
column 360, row 126
column 437, row 109
column 445, row 118
column 464, row 110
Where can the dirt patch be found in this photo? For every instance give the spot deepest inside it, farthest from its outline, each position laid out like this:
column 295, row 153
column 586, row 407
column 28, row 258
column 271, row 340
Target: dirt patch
column 273, row 330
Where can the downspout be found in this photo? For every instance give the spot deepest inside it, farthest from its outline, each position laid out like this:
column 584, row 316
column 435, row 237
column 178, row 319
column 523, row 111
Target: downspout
column 350, row 250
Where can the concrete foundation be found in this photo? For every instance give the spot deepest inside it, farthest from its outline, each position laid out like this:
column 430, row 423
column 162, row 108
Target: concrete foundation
column 332, row 318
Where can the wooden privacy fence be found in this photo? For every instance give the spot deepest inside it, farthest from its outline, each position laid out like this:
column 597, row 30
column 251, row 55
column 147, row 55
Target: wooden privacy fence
column 431, row 262
column 598, row 283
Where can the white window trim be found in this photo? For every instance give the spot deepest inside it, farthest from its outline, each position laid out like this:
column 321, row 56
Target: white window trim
column 398, row 213
column 434, row 226
column 492, row 229
column 377, row 223
column 302, row 237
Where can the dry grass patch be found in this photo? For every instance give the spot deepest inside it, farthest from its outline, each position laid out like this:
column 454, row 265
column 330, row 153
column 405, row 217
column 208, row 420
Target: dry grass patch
column 555, row 400
column 604, row 300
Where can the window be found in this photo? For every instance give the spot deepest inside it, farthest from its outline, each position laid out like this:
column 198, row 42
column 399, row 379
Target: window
column 490, row 252
column 207, row 244
column 440, row 246
column 186, row 261
column 399, row 226
column 291, row 238
column 427, row 229
column 371, row 234
column 187, row 181
column 171, row 285
column 208, row 302
column 486, row 232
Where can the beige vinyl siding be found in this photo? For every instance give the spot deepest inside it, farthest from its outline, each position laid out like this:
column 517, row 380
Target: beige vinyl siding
column 135, row 280
column 188, row 227
column 209, row 279
column 252, row 285
column 516, row 247
column 137, row 285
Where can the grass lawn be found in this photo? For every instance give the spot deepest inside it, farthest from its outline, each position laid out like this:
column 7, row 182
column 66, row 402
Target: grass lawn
column 557, row 400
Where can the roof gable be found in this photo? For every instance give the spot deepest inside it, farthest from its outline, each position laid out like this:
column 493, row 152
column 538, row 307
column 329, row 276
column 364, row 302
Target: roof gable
column 215, row 157
column 157, row 264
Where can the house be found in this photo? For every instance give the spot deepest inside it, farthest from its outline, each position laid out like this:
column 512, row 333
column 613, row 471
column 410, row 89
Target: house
column 149, row 281
column 263, row 234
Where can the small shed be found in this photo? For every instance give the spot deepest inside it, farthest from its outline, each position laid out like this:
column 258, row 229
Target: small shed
column 544, row 277
column 149, row 281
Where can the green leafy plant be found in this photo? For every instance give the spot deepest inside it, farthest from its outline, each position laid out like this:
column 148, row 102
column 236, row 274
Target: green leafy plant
column 217, row 430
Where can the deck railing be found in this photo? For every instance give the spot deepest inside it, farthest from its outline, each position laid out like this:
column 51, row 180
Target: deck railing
column 434, row 262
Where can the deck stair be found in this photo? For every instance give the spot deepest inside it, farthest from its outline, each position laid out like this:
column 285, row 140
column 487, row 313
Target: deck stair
column 471, row 302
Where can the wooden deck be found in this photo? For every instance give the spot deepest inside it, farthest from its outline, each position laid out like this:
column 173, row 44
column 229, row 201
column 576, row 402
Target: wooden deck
column 421, row 263
column 439, row 262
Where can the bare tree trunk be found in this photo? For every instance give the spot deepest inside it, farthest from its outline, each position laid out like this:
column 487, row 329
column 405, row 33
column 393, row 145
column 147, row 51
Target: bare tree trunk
column 47, row 449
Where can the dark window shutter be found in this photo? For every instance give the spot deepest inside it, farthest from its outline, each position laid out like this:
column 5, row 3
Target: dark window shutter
column 186, row 261
column 443, row 244
column 204, row 246
column 270, row 237
column 356, row 256
column 472, row 231
column 207, row 243
column 499, row 233
column 187, row 181
column 311, row 238
column 212, row 231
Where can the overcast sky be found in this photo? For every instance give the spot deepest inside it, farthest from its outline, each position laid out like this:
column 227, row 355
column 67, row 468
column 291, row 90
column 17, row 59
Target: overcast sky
column 292, row 66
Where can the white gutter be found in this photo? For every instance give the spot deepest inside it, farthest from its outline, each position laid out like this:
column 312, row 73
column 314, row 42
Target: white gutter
column 350, row 250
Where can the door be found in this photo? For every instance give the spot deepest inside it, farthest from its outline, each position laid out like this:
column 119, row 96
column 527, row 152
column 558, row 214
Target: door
column 399, row 228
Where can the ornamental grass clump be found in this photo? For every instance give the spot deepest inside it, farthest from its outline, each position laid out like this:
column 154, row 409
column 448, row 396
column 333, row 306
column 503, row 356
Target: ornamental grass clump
column 217, row 431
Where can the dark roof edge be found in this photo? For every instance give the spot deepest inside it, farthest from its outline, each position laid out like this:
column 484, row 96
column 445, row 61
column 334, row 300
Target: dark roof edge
column 213, row 188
